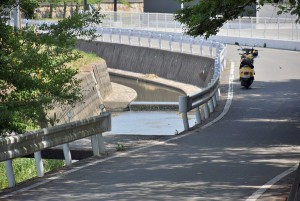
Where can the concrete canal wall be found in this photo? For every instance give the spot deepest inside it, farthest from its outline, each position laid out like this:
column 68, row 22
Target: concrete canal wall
column 186, row 68
column 95, row 87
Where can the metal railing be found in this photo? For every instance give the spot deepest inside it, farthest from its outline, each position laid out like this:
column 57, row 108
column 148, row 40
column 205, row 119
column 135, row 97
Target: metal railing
column 166, row 41
column 206, row 99
column 33, row 142
column 252, row 27
column 172, row 42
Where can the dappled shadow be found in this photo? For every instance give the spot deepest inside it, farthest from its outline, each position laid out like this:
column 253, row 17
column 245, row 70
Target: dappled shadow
column 257, row 140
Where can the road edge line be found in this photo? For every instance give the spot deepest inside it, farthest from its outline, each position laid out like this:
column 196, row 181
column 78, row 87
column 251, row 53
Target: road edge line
column 270, row 183
column 74, row 169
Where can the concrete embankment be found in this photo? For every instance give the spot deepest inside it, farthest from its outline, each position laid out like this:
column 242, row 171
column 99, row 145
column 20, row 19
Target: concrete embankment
column 95, row 87
column 191, row 69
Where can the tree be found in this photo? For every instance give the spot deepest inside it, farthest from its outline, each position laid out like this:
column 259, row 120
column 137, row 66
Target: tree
column 34, row 71
column 207, row 16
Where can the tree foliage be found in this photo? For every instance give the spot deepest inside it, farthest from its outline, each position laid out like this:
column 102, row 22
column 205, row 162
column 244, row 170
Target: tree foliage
column 34, row 71
column 207, row 16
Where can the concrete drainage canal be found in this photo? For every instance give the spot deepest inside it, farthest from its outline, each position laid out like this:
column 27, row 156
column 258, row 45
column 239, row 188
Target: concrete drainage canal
column 150, row 96
column 153, row 112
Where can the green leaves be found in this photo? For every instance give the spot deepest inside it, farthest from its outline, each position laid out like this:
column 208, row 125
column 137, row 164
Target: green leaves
column 206, row 17
column 35, row 70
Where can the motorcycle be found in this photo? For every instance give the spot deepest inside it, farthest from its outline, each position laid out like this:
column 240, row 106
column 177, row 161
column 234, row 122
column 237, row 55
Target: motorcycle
column 246, row 76
column 246, row 66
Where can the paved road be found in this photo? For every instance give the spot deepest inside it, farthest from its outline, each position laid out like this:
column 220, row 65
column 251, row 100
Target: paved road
column 257, row 140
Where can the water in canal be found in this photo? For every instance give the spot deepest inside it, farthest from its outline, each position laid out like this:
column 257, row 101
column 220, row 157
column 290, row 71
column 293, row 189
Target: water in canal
column 144, row 122
column 147, row 91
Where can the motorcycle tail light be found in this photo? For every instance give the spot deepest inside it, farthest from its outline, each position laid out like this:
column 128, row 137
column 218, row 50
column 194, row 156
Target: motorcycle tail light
column 246, row 73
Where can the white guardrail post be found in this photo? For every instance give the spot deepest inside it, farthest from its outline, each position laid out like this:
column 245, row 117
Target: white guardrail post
column 206, row 112
column 35, row 141
column 198, row 116
column 10, row 173
column 39, row 163
column 208, row 97
column 183, row 109
column 97, row 144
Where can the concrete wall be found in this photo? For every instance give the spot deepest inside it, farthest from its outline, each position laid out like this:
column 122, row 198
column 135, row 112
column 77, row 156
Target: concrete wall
column 175, row 66
column 95, row 86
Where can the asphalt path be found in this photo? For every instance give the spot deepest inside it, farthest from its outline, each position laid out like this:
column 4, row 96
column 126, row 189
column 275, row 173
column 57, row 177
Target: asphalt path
column 257, row 140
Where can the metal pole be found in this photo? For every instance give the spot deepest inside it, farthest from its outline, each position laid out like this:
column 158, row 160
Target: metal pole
column 206, row 112
column 211, row 106
column 183, row 108
column 39, row 163
column 115, row 10
column 214, row 100
column 10, row 173
column 85, row 5
column 170, row 43
column 66, row 147
column 97, row 140
column 265, row 27
column 257, row 12
column 198, row 116
column 95, row 145
column 67, row 154
column 240, row 23
column 115, row 5
column 251, row 27
column 149, row 39
column 201, row 48
column 278, row 27
column 159, row 42
column 191, row 46
column 17, row 16
column 180, row 44
column 101, row 143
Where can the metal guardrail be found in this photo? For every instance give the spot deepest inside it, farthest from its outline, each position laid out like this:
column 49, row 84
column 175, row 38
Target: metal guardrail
column 206, row 99
column 33, row 142
column 150, row 36
column 250, row 27
column 209, row 96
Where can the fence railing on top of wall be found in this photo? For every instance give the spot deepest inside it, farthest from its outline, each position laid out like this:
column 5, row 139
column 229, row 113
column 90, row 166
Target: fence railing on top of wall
column 253, row 27
column 206, row 99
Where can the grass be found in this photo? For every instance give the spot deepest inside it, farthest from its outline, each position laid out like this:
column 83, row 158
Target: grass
column 86, row 59
column 25, row 168
column 120, row 147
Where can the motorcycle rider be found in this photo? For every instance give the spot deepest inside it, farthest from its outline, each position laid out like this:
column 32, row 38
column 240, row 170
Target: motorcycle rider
column 246, row 62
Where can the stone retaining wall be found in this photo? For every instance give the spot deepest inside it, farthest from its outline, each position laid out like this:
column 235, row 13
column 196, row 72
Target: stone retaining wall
column 186, row 68
column 95, row 87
